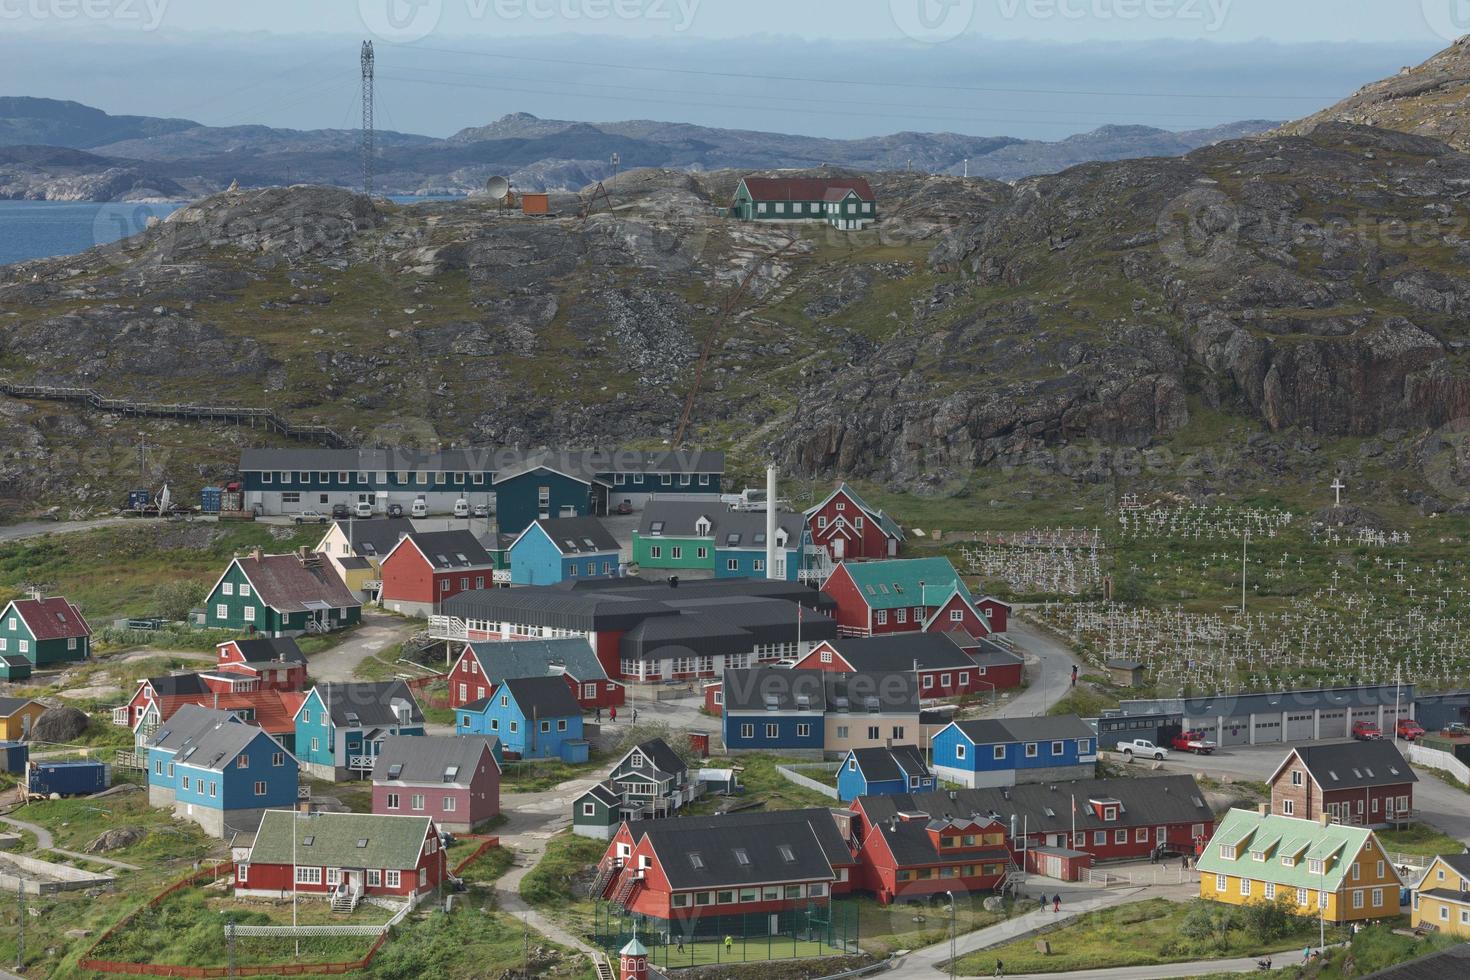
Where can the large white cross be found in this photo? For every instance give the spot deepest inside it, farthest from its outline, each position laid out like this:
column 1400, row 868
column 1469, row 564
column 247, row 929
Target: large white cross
column 1337, row 488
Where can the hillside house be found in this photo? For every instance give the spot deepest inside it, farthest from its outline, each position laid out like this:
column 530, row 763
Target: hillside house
column 903, row 596
column 1007, row 751
column 453, row 780
column 158, row 699
column 944, row 670
column 817, row 713
column 1367, row 784
column 18, row 716
column 845, row 527
column 1441, row 897
column 356, row 549
column 340, row 728
column 280, row 595
column 845, row 203
column 427, row 567
column 42, row 632
column 915, row 856
column 649, row 781
column 1338, row 872
column 877, row 771
column 562, row 548
column 534, row 718
column 276, row 664
column 482, row 666
column 344, row 857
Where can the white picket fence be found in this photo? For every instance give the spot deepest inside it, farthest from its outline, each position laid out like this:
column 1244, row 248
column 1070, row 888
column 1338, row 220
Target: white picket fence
column 1443, row 761
column 790, row 772
column 320, row 930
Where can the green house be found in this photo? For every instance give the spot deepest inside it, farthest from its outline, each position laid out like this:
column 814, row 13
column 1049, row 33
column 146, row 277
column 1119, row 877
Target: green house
column 846, row 203
column 280, row 595
column 598, row 812
column 38, row 632
column 677, row 535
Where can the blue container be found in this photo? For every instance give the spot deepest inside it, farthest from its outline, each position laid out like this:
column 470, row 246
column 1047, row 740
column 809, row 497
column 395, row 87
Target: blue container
column 13, row 756
column 209, row 499
column 139, row 499
column 69, row 778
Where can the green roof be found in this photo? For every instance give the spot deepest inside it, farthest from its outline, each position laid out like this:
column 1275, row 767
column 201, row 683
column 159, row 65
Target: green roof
column 1333, row 839
column 894, row 583
column 341, row 840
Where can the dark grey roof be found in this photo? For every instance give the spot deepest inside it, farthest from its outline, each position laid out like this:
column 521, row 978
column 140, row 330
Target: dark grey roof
column 1303, row 699
column 606, row 792
column 776, row 689
column 821, row 822
column 359, row 704
column 1047, row 807
column 911, row 845
column 1447, row 963
column 986, row 652
column 578, row 535
column 542, row 697
column 214, row 746
column 186, row 723
column 376, row 537
column 706, row 852
column 657, row 751
column 260, row 651
column 899, row 651
column 538, row 658
column 898, row 762
column 1355, row 765
column 706, row 588
column 480, row 460
column 9, row 706
column 711, row 625
column 747, row 529
column 1460, row 862
column 445, row 760
column 678, row 517
column 989, row 731
column 448, row 550
column 354, row 564
column 173, row 684
column 558, row 608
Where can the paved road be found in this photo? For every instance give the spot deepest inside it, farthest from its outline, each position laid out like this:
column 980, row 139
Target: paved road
column 1166, row 971
column 36, row 529
column 378, row 632
column 1048, row 667
column 45, row 842
column 1435, row 801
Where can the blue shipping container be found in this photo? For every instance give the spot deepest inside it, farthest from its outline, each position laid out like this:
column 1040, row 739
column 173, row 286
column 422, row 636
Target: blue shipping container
column 13, row 756
column 69, row 778
column 209, row 499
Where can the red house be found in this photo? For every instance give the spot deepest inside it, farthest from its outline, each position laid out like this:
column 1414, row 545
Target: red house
column 484, row 665
column 913, row 856
column 454, row 780
column 686, row 872
column 848, row 528
column 945, row 670
column 344, row 856
column 424, row 569
column 902, row 595
column 1365, row 784
column 157, row 698
column 963, row 613
column 275, row 664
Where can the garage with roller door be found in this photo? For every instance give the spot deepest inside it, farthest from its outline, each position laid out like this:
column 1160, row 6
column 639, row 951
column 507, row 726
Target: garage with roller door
column 1235, row 731
column 1268, row 728
column 1334, row 723
column 1299, row 726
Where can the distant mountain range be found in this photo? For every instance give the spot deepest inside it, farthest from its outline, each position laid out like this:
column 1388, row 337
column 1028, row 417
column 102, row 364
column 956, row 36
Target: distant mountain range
column 139, row 157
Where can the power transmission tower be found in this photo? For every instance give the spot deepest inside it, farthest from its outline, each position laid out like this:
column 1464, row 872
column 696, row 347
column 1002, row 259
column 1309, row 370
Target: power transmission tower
column 369, row 136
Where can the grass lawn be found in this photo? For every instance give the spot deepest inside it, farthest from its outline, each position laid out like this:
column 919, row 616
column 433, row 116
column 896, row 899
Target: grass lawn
column 540, row 775
column 549, row 884
column 1420, row 839
column 75, row 823
column 760, row 781
column 1137, row 934
column 713, row 952
column 885, row 928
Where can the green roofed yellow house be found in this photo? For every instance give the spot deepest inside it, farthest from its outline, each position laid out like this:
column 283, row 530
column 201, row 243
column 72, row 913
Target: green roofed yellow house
column 1339, row 872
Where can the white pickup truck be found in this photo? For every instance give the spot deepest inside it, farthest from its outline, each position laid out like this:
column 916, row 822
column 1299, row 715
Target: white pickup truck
column 1143, row 749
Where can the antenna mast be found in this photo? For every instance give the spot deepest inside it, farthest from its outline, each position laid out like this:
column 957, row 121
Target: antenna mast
column 369, row 136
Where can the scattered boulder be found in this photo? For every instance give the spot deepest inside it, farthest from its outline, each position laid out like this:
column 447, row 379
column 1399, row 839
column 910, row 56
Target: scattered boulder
column 116, row 839
column 60, row 724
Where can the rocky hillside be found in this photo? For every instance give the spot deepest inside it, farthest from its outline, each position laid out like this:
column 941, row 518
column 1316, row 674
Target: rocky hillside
column 1432, row 99
column 1306, row 284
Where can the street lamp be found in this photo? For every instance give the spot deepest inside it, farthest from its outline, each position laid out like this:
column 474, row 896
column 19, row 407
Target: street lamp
column 952, row 910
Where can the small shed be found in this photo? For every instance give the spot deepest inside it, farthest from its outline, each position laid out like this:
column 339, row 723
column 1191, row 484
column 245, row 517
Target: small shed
column 575, row 750
column 1061, row 863
column 14, row 668
column 535, row 203
column 1126, row 673
column 13, row 757
column 724, row 781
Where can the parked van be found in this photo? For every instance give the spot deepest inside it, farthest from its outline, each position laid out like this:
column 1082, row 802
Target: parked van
column 461, row 508
column 420, row 508
column 364, row 510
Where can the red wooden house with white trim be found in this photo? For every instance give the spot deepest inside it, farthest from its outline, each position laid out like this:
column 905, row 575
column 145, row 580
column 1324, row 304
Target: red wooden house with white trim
column 964, row 613
column 914, row 856
column 945, row 670
column 482, row 666
column 846, row 527
column 275, row 664
column 426, row 568
column 343, row 855
column 901, row 595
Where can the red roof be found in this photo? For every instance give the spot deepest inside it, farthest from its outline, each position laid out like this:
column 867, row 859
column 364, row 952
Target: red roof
column 275, row 711
column 52, row 619
column 805, row 188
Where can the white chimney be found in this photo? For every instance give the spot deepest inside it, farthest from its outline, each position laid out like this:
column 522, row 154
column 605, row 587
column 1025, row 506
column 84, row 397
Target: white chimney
column 770, row 522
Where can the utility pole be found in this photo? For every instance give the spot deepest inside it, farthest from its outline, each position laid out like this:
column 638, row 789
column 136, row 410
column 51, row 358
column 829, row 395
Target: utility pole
column 1244, row 540
column 20, row 945
column 369, row 134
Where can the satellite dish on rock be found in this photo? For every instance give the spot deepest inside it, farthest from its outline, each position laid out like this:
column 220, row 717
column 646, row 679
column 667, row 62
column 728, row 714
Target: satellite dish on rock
column 497, row 188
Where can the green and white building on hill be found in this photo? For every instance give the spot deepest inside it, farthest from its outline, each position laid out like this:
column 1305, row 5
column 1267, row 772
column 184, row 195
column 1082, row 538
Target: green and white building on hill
column 845, row 203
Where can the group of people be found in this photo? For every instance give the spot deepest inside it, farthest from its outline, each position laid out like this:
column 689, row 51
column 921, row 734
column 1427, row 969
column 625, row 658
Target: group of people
column 612, row 715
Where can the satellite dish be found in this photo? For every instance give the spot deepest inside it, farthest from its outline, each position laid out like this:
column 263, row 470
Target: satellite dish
column 497, row 188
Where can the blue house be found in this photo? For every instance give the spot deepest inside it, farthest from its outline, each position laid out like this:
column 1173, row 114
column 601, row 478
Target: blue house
column 816, row 712
column 534, row 718
column 1005, row 751
column 740, row 545
column 562, row 548
column 218, row 771
column 340, row 728
column 546, row 486
column 883, row 772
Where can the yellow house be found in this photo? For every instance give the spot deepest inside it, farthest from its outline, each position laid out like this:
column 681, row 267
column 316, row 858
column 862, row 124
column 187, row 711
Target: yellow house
column 1341, row 873
column 17, row 716
column 1442, row 897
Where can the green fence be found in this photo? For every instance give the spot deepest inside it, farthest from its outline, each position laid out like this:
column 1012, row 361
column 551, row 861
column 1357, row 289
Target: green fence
column 811, row 931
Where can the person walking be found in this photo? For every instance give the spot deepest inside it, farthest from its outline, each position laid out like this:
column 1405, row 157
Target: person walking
column 1056, row 902
column 635, row 716
column 612, row 713
column 598, row 719
column 1043, row 901
column 729, row 940
column 1000, row 969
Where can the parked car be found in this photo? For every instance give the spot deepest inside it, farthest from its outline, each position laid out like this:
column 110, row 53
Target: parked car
column 395, row 510
column 420, row 508
column 482, row 510
column 1193, row 741
column 461, row 508
column 311, row 517
column 340, row 512
column 1457, row 728
column 1366, row 731
column 1142, row 747
column 1409, row 730
column 625, row 508
column 364, row 510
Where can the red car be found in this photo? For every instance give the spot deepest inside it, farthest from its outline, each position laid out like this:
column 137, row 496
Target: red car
column 624, row 508
column 1193, row 741
column 1366, row 731
column 1409, row 730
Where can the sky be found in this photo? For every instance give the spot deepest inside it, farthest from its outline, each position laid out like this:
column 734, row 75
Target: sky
column 1040, row 69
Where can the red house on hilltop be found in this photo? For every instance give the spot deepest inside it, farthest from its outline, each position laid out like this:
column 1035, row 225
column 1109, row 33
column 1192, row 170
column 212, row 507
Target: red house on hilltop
column 482, row 666
column 275, row 664
column 425, row 568
column 847, row 527
column 945, row 670
column 903, row 595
